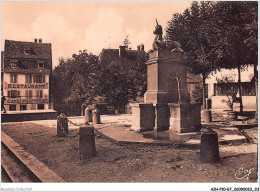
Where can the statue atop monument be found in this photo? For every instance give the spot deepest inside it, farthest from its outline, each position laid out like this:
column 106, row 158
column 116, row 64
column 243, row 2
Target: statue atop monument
column 159, row 44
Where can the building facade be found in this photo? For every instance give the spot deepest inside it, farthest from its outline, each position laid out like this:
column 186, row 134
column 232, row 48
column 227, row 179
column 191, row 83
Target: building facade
column 108, row 56
column 217, row 94
column 26, row 71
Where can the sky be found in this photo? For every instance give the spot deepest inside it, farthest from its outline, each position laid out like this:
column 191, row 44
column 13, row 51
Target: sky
column 72, row 26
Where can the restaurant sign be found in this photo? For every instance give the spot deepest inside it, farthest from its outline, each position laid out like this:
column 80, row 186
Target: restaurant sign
column 26, row 86
column 26, row 101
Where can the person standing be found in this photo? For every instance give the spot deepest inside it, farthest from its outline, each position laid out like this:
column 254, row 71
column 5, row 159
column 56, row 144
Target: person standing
column 3, row 103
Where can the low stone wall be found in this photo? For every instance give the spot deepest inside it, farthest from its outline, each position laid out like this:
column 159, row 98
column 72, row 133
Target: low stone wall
column 18, row 117
column 249, row 102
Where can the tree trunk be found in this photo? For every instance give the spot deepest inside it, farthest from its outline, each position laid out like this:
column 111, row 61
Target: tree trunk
column 256, row 90
column 204, row 92
column 240, row 91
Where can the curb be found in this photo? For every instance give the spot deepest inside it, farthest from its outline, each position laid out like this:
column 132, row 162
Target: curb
column 42, row 172
column 184, row 145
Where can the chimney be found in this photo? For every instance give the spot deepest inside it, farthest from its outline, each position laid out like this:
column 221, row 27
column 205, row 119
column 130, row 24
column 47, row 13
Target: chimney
column 35, row 40
column 142, row 47
column 122, row 51
column 40, row 40
column 138, row 47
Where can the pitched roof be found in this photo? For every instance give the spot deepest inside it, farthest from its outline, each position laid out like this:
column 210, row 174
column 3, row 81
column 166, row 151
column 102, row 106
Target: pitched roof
column 22, row 49
column 109, row 55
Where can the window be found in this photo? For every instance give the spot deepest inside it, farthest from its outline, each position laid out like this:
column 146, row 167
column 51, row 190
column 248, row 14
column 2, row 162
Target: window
column 28, row 93
column 248, row 89
column 39, row 78
column 40, row 106
column 27, row 52
column 14, row 63
column 13, row 94
column 12, row 107
column 23, row 107
column 28, row 78
column 222, row 89
column 13, row 78
column 40, row 94
column 40, row 64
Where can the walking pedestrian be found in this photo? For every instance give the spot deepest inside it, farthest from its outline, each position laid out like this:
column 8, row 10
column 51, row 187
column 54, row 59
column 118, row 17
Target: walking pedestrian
column 3, row 103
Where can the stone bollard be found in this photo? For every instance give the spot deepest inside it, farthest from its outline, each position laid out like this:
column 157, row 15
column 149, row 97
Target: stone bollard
column 88, row 115
column 206, row 116
column 87, row 148
column 209, row 149
column 96, row 116
column 83, row 108
column 62, row 125
column 117, row 111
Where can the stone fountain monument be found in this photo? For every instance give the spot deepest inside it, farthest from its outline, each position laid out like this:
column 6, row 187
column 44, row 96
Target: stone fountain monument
column 166, row 102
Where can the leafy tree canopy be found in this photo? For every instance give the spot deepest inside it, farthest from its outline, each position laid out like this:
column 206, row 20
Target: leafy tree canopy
column 193, row 30
column 76, row 78
column 82, row 78
column 216, row 34
column 123, row 79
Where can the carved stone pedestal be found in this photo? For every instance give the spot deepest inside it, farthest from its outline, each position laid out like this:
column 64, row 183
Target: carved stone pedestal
column 166, row 87
column 142, row 117
column 162, row 87
column 161, row 122
column 184, row 117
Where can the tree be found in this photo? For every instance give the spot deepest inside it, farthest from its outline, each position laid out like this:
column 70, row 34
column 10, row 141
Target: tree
column 197, row 93
column 251, row 41
column 237, row 29
column 229, row 87
column 61, row 82
column 123, row 79
column 217, row 35
column 193, row 29
column 83, row 79
column 76, row 79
